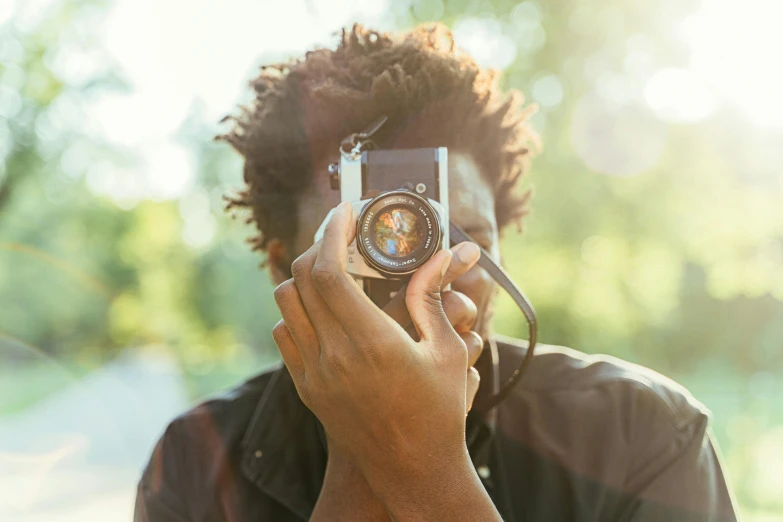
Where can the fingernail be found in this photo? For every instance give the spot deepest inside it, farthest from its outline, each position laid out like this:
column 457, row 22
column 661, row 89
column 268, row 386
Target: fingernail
column 445, row 266
column 467, row 252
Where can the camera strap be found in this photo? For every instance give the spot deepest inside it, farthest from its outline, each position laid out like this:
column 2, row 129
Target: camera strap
column 501, row 277
column 378, row 134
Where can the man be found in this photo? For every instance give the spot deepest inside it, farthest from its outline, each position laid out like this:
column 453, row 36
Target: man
column 367, row 418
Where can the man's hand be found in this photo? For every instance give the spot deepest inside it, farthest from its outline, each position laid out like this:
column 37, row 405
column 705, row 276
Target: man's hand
column 395, row 405
column 366, row 379
column 345, row 493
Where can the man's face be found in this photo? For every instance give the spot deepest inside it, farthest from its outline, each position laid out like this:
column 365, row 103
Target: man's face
column 472, row 207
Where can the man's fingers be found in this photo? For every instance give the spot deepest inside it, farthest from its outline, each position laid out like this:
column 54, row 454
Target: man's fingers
column 288, row 350
column 357, row 314
column 338, row 233
column 297, row 321
column 474, row 344
column 423, row 298
column 324, row 324
column 460, row 310
column 465, row 255
column 472, row 388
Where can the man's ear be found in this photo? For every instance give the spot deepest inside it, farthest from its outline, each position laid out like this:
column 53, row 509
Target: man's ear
column 277, row 261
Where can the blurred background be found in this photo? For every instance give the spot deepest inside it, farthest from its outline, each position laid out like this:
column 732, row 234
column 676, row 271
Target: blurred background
column 126, row 294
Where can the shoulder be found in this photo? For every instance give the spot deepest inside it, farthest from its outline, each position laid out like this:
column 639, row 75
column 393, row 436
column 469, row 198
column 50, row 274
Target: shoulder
column 226, row 414
column 198, row 441
column 598, row 415
column 558, row 370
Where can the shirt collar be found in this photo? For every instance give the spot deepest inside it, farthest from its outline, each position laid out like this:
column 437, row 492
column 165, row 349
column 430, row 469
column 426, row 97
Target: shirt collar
column 282, row 449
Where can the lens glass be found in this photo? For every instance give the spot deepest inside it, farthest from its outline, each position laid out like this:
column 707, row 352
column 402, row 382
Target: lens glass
column 397, row 232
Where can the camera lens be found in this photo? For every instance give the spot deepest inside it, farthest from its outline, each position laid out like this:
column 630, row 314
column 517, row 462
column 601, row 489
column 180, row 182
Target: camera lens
column 397, row 232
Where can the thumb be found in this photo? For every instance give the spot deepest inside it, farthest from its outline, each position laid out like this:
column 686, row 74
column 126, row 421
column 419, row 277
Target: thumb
column 423, row 298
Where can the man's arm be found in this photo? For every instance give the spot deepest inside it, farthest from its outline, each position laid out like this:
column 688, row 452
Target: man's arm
column 441, row 488
column 396, row 406
column 345, row 494
column 425, row 494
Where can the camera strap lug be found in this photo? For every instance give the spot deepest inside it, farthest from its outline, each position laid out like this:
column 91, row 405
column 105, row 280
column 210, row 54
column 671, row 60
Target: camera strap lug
column 354, row 144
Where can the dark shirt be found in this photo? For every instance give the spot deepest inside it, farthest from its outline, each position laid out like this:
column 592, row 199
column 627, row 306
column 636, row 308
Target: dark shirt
column 582, row 438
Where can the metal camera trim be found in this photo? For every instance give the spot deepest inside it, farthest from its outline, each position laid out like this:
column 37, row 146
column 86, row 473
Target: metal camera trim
column 378, row 260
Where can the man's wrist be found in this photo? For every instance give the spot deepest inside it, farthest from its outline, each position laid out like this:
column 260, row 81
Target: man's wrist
column 444, row 490
column 345, row 493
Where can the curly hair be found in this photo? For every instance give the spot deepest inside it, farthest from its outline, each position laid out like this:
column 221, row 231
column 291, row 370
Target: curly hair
column 426, row 85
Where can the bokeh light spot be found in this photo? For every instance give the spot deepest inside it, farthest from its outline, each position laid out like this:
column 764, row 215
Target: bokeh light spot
column 10, row 102
column 526, row 16
column 483, row 38
column 734, row 48
column 548, row 91
column 677, row 95
column 616, row 140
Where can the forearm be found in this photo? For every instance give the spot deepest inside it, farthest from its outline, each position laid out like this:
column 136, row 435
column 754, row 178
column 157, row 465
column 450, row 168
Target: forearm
column 451, row 492
column 345, row 495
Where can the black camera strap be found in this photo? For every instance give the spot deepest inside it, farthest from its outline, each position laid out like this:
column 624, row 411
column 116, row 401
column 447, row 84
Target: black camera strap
column 376, row 135
column 501, row 277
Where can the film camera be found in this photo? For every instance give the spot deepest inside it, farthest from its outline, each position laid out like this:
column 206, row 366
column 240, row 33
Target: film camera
column 403, row 224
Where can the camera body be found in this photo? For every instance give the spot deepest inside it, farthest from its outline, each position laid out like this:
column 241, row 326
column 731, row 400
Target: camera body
column 400, row 200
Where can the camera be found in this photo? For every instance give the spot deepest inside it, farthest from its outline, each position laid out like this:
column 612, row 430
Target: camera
column 400, row 201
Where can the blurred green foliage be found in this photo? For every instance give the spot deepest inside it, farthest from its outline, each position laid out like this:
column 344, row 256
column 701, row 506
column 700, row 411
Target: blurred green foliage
column 678, row 267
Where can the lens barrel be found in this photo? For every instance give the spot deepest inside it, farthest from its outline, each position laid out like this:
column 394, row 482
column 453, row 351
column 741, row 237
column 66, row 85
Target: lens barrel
column 397, row 232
